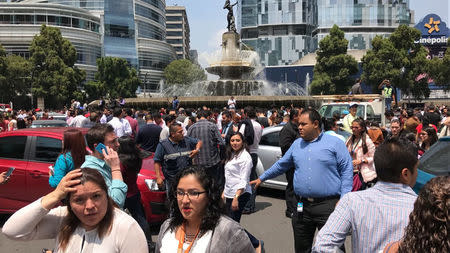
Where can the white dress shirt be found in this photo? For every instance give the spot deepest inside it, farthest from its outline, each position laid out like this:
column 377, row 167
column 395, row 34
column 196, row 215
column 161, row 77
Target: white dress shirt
column 121, row 126
column 77, row 121
column 237, row 174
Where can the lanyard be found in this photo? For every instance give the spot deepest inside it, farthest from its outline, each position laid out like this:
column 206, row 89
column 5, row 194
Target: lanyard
column 355, row 145
column 181, row 241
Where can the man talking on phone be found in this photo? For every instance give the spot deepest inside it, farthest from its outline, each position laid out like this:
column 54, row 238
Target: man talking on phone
column 102, row 137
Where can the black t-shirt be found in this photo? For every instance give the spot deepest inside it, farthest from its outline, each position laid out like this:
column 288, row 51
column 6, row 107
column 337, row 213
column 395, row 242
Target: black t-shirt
column 263, row 121
column 433, row 117
column 148, row 137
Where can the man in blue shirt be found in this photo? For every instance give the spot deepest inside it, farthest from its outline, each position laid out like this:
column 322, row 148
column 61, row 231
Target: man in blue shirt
column 323, row 174
column 107, row 163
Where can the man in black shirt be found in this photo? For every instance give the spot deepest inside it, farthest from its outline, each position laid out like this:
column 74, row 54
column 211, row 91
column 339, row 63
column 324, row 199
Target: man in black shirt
column 148, row 135
column 288, row 134
column 433, row 116
column 262, row 119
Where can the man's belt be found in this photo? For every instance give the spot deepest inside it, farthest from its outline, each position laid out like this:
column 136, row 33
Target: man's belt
column 315, row 200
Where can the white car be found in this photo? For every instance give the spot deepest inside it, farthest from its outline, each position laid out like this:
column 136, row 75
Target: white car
column 269, row 152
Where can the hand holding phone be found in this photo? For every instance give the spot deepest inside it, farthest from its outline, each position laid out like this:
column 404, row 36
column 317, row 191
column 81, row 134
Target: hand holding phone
column 100, row 147
column 10, row 171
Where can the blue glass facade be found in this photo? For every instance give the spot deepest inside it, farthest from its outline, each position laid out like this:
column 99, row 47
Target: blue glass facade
column 362, row 20
column 119, row 37
column 281, row 31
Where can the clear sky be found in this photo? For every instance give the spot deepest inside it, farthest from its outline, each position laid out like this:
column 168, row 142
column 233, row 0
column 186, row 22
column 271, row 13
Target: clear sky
column 208, row 21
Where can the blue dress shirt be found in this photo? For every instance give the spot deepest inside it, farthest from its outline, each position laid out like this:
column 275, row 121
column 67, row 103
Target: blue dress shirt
column 323, row 167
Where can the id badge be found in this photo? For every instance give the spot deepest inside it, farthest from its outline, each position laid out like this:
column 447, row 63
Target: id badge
column 300, row 207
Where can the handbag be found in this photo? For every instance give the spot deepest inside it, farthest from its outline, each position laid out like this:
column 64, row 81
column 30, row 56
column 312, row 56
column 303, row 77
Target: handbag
column 357, row 183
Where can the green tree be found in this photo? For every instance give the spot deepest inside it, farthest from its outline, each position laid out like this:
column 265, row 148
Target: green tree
column 18, row 77
column 398, row 59
column 183, row 72
column 334, row 68
column 3, row 72
column 114, row 78
column 54, row 76
column 439, row 70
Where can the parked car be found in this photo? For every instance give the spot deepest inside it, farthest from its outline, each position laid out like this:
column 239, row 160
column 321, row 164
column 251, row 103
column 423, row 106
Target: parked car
column 52, row 115
column 31, row 151
column 48, row 123
column 434, row 162
column 269, row 152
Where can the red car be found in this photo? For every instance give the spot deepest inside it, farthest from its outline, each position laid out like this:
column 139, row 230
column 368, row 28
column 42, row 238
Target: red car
column 31, row 151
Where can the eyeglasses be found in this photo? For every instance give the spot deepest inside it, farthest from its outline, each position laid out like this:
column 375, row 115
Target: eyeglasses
column 190, row 194
column 423, row 134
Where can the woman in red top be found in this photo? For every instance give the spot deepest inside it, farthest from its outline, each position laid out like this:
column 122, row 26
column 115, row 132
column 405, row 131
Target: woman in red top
column 130, row 164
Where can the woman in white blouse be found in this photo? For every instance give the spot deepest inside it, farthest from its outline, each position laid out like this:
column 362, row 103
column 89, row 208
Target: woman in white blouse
column 238, row 165
column 90, row 223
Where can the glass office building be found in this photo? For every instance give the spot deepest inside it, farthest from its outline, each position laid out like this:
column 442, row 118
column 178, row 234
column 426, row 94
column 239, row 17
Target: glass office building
column 130, row 29
column 362, row 20
column 281, row 31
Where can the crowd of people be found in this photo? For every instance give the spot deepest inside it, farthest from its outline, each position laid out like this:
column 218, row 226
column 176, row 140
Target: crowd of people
column 205, row 159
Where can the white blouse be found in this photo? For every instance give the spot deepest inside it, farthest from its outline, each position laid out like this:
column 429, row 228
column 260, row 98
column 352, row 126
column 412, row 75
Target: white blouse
column 237, row 174
column 33, row 222
column 169, row 243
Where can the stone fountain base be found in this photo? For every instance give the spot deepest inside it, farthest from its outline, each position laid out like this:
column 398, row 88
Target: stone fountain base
column 234, row 87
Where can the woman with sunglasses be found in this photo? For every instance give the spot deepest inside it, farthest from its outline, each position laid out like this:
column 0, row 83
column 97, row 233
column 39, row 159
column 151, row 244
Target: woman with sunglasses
column 361, row 149
column 198, row 223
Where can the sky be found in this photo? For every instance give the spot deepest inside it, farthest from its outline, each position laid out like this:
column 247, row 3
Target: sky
column 207, row 21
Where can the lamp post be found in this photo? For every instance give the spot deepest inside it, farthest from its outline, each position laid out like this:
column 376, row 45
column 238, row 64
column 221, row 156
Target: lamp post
column 145, row 82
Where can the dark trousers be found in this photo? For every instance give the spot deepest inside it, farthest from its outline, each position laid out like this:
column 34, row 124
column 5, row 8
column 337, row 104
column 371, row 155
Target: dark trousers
column 134, row 206
column 250, row 207
column 291, row 199
column 214, row 172
column 304, row 224
column 236, row 215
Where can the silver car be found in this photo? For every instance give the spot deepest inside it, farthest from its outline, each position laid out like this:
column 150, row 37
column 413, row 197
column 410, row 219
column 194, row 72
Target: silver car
column 269, row 152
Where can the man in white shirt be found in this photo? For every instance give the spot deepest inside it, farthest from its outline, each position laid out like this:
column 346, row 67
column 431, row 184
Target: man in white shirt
column 78, row 120
column 121, row 126
column 232, row 103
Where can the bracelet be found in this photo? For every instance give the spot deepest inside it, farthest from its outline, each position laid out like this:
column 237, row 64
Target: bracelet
column 236, row 196
column 115, row 171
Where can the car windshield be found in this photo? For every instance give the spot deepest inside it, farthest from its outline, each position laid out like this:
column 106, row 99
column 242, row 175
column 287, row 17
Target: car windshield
column 436, row 160
column 328, row 111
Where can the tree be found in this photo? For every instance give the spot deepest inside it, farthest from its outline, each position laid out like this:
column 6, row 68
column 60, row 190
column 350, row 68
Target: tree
column 183, row 72
column 398, row 59
column 18, row 78
column 439, row 70
column 3, row 71
column 334, row 68
column 54, row 76
column 114, row 78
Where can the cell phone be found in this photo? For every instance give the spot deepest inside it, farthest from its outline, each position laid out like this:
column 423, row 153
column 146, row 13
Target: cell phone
column 52, row 169
column 10, row 171
column 101, row 147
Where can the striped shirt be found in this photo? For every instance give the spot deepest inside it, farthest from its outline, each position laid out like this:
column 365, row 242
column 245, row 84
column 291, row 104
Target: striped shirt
column 209, row 134
column 375, row 217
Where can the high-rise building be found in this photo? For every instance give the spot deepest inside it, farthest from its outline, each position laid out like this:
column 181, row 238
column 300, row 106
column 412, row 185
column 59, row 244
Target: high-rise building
column 280, row 31
column 178, row 32
column 362, row 20
column 130, row 29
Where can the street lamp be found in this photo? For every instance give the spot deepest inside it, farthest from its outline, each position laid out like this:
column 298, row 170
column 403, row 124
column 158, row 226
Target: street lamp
column 145, row 82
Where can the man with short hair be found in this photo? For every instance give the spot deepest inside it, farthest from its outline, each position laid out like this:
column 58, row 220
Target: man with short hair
column 323, row 174
column 378, row 215
column 349, row 118
column 169, row 119
column 356, row 88
column 121, row 126
column 133, row 122
column 107, row 162
column 388, row 93
column 148, row 135
column 288, row 134
column 174, row 154
column 433, row 116
column 77, row 121
column 396, row 130
column 209, row 134
column 91, row 121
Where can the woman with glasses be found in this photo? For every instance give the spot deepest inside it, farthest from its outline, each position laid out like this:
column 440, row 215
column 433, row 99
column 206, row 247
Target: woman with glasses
column 198, row 223
column 361, row 149
column 427, row 137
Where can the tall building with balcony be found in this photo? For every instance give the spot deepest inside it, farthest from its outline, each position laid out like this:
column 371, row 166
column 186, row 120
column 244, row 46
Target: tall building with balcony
column 130, row 29
column 362, row 20
column 178, row 32
column 280, row 31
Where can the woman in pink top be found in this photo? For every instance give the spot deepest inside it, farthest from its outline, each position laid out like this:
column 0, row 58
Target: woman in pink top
column 362, row 149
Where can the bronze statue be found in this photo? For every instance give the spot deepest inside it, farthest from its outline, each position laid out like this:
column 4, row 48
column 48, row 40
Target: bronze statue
column 230, row 17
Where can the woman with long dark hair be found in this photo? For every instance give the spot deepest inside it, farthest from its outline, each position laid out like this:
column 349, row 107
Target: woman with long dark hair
column 427, row 230
column 130, row 165
column 428, row 137
column 198, row 223
column 72, row 155
column 361, row 149
column 90, row 222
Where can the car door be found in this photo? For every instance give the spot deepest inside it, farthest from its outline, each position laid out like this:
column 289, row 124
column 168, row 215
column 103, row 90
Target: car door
column 269, row 151
column 13, row 153
column 44, row 152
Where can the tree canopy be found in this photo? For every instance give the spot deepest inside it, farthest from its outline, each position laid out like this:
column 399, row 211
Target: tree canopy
column 439, row 70
column 114, row 78
column 54, row 76
column 183, row 72
column 334, row 68
column 398, row 59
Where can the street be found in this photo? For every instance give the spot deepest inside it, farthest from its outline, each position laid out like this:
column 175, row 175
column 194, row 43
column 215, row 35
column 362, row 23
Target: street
column 268, row 224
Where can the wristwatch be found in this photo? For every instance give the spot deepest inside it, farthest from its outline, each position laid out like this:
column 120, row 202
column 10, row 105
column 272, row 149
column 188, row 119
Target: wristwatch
column 236, row 196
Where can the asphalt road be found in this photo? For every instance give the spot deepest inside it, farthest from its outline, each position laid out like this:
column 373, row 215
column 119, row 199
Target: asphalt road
column 268, row 223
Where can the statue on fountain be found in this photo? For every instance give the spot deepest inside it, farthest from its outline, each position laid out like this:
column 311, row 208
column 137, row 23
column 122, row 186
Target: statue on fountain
column 230, row 17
